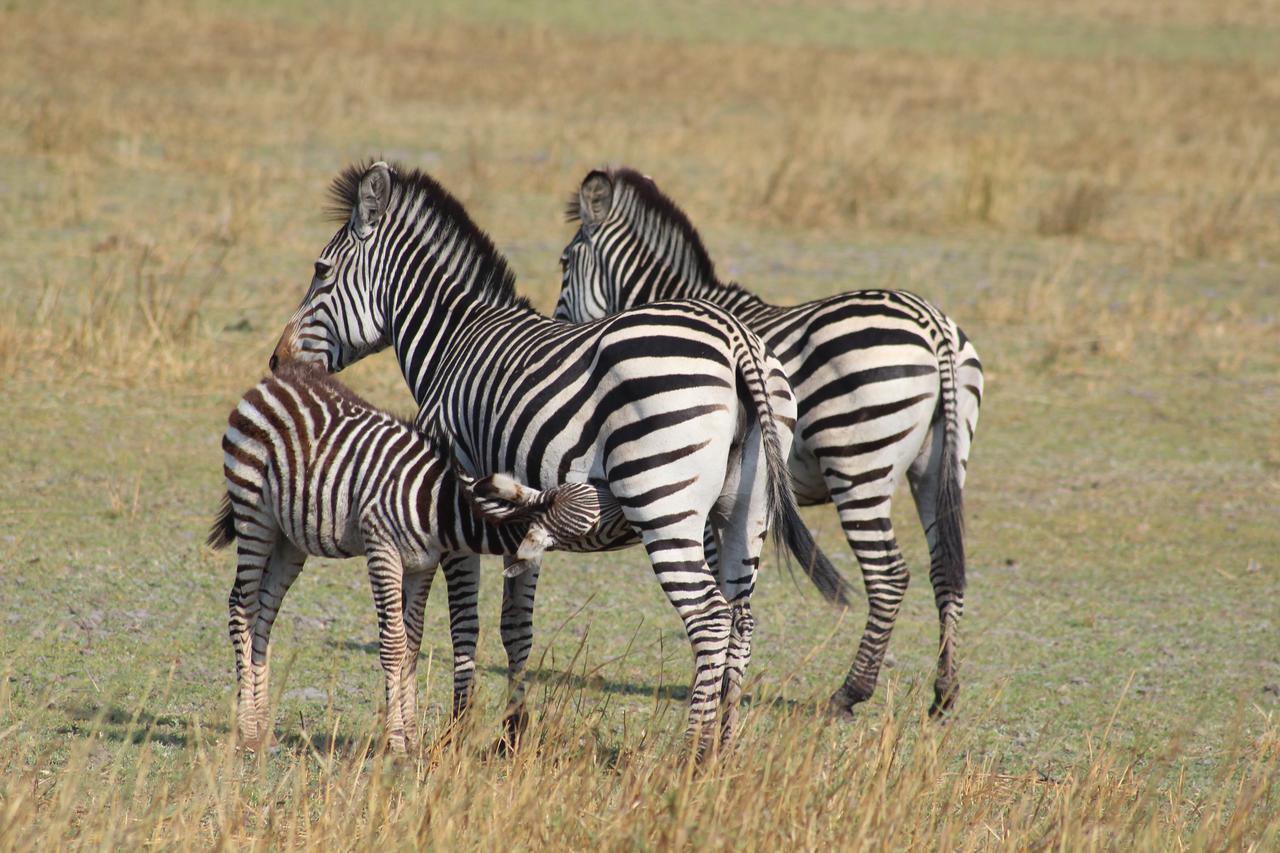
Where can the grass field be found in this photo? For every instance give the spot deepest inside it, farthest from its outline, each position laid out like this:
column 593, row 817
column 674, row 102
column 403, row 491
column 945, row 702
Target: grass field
column 1093, row 192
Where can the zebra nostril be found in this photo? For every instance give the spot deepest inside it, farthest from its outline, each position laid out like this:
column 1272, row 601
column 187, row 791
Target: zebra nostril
column 275, row 361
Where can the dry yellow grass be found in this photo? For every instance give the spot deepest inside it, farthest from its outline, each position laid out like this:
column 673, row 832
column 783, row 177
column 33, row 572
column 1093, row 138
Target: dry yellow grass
column 795, row 782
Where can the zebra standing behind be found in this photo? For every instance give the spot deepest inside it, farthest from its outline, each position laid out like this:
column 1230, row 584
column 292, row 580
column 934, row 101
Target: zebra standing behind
column 885, row 385
column 669, row 409
column 313, row 469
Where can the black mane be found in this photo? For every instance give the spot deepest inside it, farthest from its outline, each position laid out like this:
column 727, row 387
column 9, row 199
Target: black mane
column 495, row 279
column 655, row 203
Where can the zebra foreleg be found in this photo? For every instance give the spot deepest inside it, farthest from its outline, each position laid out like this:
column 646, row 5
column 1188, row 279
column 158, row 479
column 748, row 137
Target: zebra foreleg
column 417, row 587
column 517, row 638
column 462, row 577
column 282, row 570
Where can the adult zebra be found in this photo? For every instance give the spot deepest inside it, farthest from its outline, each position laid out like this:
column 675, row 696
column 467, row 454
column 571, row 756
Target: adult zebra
column 311, row 468
column 668, row 409
column 885, row 383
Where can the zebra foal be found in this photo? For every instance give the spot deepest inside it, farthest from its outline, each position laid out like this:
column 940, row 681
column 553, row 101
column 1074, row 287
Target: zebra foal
column 886, row 385
column 312, row 469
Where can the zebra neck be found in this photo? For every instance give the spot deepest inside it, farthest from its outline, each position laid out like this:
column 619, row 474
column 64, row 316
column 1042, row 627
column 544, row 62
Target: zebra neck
column 437, row 328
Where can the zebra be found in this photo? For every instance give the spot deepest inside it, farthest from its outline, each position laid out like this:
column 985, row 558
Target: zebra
column 312, row 469
column 885, row 383
column 669, row 410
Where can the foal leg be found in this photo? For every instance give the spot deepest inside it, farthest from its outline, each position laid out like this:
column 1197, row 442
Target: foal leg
column 282, row 570
column 386, row 577
column 256, row 539
column 417, row 586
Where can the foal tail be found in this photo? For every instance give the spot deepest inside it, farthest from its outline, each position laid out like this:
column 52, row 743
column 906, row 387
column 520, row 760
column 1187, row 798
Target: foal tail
column 223, row 532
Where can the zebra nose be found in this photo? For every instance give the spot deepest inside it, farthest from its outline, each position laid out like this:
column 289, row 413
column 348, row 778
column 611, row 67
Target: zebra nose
column 275, row 361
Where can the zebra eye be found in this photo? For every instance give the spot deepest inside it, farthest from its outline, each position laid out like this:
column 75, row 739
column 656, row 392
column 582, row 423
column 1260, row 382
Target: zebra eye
column 323, row 269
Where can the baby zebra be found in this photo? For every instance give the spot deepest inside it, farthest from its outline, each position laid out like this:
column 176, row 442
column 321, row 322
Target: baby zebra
column 312, row 469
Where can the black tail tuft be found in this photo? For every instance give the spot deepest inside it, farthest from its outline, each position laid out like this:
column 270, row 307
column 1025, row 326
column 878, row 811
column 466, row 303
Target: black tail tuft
column 950, row 519
column 950, row 504
column 830, row 583
column 223, row 532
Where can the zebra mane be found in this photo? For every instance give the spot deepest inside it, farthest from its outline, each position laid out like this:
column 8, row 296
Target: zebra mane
column 312, row 375
column 494, row 282
column 654, row 208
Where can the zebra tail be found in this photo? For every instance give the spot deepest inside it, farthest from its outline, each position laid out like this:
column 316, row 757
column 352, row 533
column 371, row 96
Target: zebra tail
column 950, row 503
column 223, row 532
column 784, row 514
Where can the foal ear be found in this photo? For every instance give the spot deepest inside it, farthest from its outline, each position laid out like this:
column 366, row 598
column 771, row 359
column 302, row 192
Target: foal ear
column 595, row 197
column 373, row 197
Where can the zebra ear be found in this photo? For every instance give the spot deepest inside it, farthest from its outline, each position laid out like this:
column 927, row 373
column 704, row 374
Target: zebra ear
column 373, row 197
column 595, row 198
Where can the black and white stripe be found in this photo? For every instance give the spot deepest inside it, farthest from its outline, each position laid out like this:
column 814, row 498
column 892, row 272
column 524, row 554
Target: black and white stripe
column 886, row 385
column 311, row 469
column 669, row 409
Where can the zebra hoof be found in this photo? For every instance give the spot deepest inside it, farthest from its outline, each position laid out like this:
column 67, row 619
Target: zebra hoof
column 839, row 709
column 513, row 729
column 257, row 744
column 943, row 701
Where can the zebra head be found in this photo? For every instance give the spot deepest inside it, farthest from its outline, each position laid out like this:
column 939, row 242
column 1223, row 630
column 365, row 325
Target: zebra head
column 633, row 246
column 342, row 319
column 586, row 291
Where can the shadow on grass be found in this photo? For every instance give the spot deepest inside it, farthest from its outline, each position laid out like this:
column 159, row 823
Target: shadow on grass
column 135, row 726
column 578, row 681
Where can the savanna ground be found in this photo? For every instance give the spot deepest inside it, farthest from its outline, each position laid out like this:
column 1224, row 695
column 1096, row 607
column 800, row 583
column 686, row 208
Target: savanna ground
column 1091, row 190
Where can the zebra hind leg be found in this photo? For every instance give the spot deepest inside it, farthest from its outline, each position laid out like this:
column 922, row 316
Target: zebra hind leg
column 743, row 525
column 517, row 638
column 864, row 515
column 386, row 576
column 254, row 546
column 282, row 570
column 676, row 555
column 925, row 477
column 417, row 586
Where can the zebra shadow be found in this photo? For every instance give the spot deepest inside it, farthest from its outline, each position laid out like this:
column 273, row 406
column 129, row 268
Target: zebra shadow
column 563, row 679
column 135, row 726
